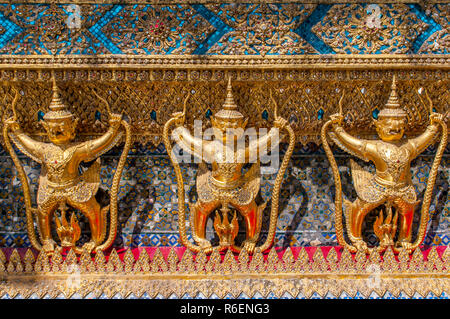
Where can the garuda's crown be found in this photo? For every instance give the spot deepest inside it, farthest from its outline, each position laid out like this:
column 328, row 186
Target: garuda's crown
column 58, row 110
column 229, row 112
column 392, row 107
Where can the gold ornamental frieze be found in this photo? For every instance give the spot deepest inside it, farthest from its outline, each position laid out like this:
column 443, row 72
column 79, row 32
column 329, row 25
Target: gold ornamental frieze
column 173, row 61
column 306, row 97
column 298, row 275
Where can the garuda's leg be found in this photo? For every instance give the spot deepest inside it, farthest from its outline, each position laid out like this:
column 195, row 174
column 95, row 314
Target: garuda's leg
column 91, row 209
column 358, row 210
column 252, row 214
column 201, row 211
column 45, row 213
column 406, row 212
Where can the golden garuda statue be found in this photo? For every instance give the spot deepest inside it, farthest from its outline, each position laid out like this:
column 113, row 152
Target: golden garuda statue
column 226, row 189
column 61, row 186
column 391, row 185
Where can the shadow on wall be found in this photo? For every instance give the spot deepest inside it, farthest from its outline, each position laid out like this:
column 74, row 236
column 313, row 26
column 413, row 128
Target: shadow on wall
column 441, row 192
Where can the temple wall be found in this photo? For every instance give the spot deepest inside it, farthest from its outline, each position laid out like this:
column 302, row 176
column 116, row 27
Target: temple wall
column 144, row 58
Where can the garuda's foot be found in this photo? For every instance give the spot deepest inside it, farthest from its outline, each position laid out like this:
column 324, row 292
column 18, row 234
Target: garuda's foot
column 89, row 246
column 404, row 245
column 204, row 243
column 361, row 245
column 249, row 245
column 48, row 246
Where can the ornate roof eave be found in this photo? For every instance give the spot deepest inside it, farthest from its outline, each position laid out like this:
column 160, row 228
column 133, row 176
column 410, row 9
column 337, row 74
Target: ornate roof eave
column 322, row 61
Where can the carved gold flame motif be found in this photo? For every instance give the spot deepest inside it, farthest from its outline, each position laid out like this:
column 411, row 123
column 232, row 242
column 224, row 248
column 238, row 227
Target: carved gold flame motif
column 226, row 231
column 67, row 233
column 385, row 229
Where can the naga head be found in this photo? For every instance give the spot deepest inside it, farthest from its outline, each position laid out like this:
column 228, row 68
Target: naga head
column 59, row 122
column 229, row 122
column 392, row 119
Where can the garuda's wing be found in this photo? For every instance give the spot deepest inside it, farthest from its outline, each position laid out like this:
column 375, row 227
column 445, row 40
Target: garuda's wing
column 361, row 178
column 92, row 174
column 334, row 138
column 253, row 172
column 253, row 177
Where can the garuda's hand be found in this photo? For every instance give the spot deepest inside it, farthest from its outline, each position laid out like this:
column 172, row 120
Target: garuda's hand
column 280, row 123
column 114, row 120
column 12, row 123
column 337, row 118
column 179, row 117
column 436, row 118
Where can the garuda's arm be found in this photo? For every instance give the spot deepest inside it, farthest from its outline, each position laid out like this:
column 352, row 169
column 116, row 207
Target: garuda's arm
column 26, row 144
column 352, row 145
column 92, row 149
column 267, row 142
column 421, row 142
column 191, row 144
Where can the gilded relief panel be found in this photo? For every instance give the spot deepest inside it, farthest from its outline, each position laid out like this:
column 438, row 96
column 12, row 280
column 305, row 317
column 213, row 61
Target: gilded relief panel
column 144, row 57
column 305, row 97
column 222, row 28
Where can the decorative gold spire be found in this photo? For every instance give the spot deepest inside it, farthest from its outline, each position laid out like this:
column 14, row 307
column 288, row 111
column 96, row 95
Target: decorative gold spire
column 229, row 103
column 392, row 107
column 229, row 112
column 58, row 110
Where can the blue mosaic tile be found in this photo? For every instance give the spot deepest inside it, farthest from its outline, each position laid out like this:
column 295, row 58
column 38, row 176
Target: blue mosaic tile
column 213, row 29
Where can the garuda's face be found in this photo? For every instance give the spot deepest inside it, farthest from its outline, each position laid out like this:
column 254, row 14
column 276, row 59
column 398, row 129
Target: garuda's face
column 60, row 131
column 228, row 130
column 390, row 128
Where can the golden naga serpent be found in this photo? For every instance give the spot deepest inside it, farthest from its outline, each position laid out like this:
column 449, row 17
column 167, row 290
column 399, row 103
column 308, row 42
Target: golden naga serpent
column 424, row 214
column 180, row 186
column 181, row 194
column 277, row 185
column 115, row 189
column 26, row 187
column 29, row 210
column 116, row 181
column 338, row 185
